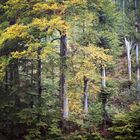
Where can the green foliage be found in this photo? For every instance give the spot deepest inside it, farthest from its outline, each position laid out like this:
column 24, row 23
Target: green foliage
column 95, row 115
column 85, row 136
column 54, row 130
column 126, row 125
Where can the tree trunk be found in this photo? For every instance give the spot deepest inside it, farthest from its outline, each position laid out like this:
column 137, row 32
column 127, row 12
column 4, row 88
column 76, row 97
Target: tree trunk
column 63, row 71
column 123, row 10
column 138, row 72
column 137, row 50
column 11, row 75
column 32, row 72
column 39, row 88
column 16, row 73
column 129, row 66
column 137, row 47
column 137, row 62
column 6, row 81
column 85, row 95
column 103, row 77
column 128, row 45
column 136, row 9
column 104, row 97
column 32, row 86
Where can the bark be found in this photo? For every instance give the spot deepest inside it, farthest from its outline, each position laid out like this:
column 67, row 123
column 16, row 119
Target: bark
column 39, row 87
column 63, row 71
column 85, row 95
column 16, row 73
column 137, row 50
column 138, row 72
column 128, row 45
column 137, row 62
column 6, row 81
column 32, row 73
column 103, row 77
column 15, row 80
column 11, row 77
column 136, row 9
column 123, row 10
column 13, row 73
column 32, row 78
column 104, row 97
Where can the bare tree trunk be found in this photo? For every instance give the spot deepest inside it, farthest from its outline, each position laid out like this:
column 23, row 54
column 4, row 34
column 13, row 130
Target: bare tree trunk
column 11, row 77
column 16, row 81
column 137, row 47
column 137, row 50
column 39, row 88
column 136, row 9
column 103, row 77
column 104, row 97
column 123, row 10
column 6, row 81
column 32, row 72
column 85, row 95
column 128, row 45
column 137, row 62
column 138, row 72
column 32, row 78
column 63, row 71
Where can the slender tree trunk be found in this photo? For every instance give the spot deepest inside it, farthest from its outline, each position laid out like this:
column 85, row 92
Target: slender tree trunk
column 138, row 72
column 6, row 81
column 137, row 50
column 129, row 66
column 137, row 46
column 137, row 62
column 123, row 10
column 11, row 75
column 136, row 9
column 103, row 77
column 104, row 97
column 32, row 73
column 85, row 95
column 128, row 45
column 32, row 78
column 16, row 81
column 16, row 73
column 63, row 71
column 39, row 87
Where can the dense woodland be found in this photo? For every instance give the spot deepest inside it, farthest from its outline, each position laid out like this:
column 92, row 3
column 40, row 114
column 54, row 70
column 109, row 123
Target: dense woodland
column 69, row 70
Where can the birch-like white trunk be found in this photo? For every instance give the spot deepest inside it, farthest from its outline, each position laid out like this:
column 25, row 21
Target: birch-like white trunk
column 104, row 100
column 128, row 45
column 103, row 77
column 65, row 107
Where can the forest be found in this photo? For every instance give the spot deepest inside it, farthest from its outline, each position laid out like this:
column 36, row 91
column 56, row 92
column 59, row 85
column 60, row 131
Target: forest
column 69, row 70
